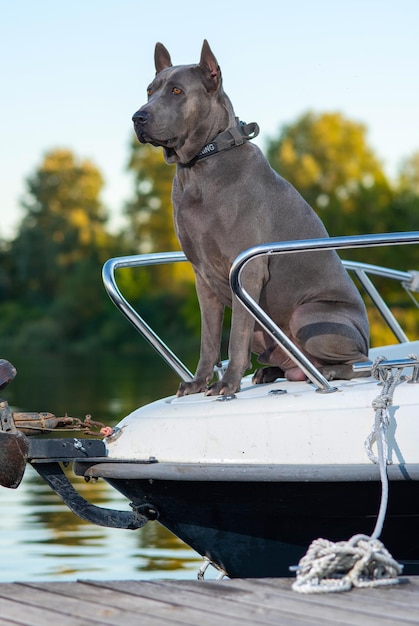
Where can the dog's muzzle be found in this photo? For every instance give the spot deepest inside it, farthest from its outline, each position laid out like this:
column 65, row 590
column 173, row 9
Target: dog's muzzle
column 140, row 119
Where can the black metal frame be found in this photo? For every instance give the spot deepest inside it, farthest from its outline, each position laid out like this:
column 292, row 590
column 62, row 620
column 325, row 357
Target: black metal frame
column 45, row 456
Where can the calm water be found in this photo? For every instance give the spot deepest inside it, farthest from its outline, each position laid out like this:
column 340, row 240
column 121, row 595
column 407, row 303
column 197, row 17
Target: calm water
column 40, row 539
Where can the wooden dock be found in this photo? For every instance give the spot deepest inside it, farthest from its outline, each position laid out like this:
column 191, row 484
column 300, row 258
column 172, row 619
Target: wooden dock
column 240, row 602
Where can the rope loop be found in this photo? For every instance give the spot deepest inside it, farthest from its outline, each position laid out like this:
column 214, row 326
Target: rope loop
column 376, row 371
column 382, row 402
column 334, row 567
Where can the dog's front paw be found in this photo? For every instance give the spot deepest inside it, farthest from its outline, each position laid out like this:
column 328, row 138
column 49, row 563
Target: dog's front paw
column 194, row 386
column 221, row 388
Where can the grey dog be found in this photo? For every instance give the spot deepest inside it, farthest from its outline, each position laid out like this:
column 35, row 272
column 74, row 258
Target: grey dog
column 227, row 198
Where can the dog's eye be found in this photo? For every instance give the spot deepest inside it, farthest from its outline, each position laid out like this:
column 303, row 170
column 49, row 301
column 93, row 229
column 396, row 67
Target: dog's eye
column 176, row 91
column 149, row 91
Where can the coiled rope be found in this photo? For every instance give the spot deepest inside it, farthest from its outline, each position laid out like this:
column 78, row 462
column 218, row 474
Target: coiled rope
column 362, row 561
column 359, row 562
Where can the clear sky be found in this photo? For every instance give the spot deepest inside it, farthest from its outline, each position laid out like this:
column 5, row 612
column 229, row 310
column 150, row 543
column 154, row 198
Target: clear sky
column 74, row 71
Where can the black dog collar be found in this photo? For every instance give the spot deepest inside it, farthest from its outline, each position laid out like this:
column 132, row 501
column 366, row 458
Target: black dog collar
column 230, row 138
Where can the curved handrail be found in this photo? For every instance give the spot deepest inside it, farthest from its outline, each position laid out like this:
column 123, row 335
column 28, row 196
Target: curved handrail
column 360, row 269
column 140, row 260
column 405, row 278
column 306, row 245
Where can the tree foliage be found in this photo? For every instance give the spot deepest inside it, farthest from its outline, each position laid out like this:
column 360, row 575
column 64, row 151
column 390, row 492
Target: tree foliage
column 150, row 210
column 150, row 216
column 327, row 158
column 408, row 180
column 56, row 258
column 63, row 226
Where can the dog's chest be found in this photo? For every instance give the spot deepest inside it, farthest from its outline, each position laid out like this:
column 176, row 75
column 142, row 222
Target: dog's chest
column 197, row 215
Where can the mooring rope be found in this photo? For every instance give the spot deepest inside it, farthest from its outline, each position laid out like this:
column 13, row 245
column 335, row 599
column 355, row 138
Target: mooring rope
column 359, row 562
column 362, row 561
column 381, row 405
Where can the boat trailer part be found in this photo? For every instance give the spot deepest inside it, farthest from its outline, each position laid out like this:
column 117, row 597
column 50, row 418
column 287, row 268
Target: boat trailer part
column 31, row 423
column 14, row 445
column 46, row 456
column 16, row 427
column 52, row 473
column 14, row 448
column 7, row 373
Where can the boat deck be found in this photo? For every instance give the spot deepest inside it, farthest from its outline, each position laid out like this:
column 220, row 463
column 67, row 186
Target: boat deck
column 232, row 602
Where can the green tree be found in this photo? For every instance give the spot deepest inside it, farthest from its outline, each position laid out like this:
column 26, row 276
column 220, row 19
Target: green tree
column 64, row 223
column 150, row 215
column 403, row 211
column 327, row 158
column 56, row 258
column 150, row 211
column 408, row 179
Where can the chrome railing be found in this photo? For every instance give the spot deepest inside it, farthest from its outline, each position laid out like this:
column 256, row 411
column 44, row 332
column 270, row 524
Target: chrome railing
column 109, row 280
column 314, row 245
column 409, row 279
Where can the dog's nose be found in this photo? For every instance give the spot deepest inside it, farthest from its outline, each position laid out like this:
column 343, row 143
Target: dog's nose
column 140, row 117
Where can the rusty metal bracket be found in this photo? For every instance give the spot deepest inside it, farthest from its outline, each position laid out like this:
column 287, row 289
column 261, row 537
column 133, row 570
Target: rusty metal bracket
column 14, row 447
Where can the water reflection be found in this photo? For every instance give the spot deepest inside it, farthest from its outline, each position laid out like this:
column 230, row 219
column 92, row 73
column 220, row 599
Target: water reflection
column 40, row 539
column 100, row 385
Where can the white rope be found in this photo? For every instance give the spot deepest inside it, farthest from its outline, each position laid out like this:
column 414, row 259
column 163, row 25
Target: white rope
column 333, row 567
column 381, row 405
column 362, row 561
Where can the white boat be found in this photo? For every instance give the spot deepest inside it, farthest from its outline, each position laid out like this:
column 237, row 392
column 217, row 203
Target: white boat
column 251, row 479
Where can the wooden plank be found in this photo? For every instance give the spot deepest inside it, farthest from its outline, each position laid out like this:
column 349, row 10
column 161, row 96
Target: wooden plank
column 6, row 622
column 41, row 606
column 228, row 599
column 383, row 606
column 151, row 612
column 238, row 602
column 158, row 608
column 20, row 612
column 206, row 611
column 343, row 608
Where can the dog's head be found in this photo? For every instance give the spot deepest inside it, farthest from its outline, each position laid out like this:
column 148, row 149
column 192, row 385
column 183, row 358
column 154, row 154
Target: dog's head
column 186, row 106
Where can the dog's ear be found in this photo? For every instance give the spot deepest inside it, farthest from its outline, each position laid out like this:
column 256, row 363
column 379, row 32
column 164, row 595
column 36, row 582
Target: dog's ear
column 210, row 68
column 161, row 58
